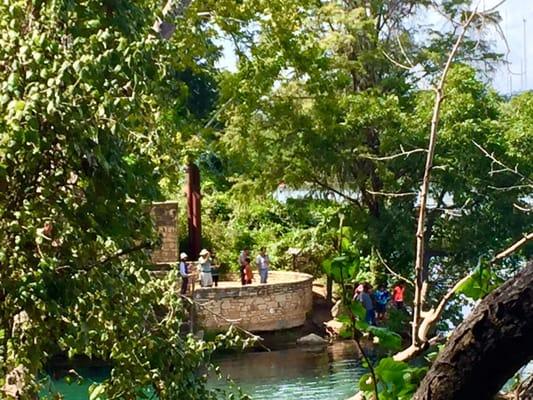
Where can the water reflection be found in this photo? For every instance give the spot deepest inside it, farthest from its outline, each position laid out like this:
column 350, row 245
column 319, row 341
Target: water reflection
column 327, row 374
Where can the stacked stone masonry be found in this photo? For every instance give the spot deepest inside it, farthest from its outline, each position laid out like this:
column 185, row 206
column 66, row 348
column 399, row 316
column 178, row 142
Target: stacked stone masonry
column 165, row 218
column 280, row 304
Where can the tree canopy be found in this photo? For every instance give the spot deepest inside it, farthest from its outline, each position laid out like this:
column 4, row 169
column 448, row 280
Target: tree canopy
column 99, row 115
column 90, row 102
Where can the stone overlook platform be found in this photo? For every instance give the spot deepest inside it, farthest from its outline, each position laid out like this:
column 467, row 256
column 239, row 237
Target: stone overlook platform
column 282, row 303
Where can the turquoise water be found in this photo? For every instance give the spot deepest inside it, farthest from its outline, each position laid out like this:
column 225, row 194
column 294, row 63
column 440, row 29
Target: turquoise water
column 329, row 374
column 291, row 374
column 77, row 390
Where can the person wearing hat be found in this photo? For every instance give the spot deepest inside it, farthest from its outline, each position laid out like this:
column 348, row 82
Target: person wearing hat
column 204, row 266
column 184, row 272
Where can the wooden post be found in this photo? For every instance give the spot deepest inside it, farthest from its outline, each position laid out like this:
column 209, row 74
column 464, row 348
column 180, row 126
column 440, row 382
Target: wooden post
column 194, row 216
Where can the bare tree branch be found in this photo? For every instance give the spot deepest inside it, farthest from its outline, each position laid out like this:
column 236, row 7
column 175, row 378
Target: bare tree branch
column 403, row 153
column 332, row 189
column 404, row 52
column 504, row 167
column 387, row 194
column 509, row 188
column 397, row 63
column 527, row 210
column 395, row 274
column 218, row 112
column 494, row 8
column 511, row 249
column 433, row 315
column 424, row 191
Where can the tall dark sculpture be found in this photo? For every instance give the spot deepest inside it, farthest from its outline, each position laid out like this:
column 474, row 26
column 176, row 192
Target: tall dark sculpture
column 194, row 212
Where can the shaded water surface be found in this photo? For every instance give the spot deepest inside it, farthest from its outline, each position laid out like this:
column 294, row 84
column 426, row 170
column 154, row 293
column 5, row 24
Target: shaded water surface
column 329, row 374
column 326, row 374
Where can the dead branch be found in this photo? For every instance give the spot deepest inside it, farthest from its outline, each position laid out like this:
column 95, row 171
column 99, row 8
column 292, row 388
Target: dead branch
column 392, row 157
column 404, row 52
column 511, row 249
column 397, row 63
column 419, row 258
column 387, row 194
column 338, row 192
column 218, row 112
column 395, row 274
column 494, row 8
column 433, row 315
column 510, row 188
column 499, row 328
column 504, row 167
column 527, row 210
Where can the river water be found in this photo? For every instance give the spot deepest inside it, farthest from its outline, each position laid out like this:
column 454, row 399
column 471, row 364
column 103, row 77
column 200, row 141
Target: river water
column 297, row 373
column 330, row 374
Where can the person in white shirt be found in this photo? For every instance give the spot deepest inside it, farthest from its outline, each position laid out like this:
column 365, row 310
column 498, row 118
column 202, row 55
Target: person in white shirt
column 263, row 264
column 204, row 267
column 184, row 272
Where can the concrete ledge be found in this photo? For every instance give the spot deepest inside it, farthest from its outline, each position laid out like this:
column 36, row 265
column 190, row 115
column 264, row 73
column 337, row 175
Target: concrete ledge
column 280, row 304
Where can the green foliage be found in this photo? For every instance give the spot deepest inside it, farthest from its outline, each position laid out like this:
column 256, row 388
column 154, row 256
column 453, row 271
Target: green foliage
column 351, row 266
column 344, row 269
column 235, row 222
column 358, row 311
column 339, row 268
column 396, row 380
column 386, row 338
column 398, row 320
column 480, row 282
column 98, row 113
column 88, row 103
column 317, row 105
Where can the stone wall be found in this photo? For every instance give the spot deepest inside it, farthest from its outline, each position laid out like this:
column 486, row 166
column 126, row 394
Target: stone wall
column 280, row 304
column 165, row 217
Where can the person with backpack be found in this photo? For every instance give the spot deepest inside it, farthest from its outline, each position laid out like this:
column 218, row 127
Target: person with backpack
column 382, row 297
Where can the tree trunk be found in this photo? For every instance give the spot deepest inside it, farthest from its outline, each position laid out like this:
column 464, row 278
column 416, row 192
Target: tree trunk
column 525, row 390
column 487, row 348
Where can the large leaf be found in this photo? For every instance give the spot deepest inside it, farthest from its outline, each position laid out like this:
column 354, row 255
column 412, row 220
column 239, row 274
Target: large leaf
column 391, row 371
column 96, row 392
column 342, row 269
column 396, row 380
column 358, row 310
column 480, row 283
column 387, row 338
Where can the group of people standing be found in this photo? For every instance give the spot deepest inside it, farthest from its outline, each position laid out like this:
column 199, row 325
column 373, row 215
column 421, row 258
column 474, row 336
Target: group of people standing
column 262, row 262
column 375, row 302
column 208, row 269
